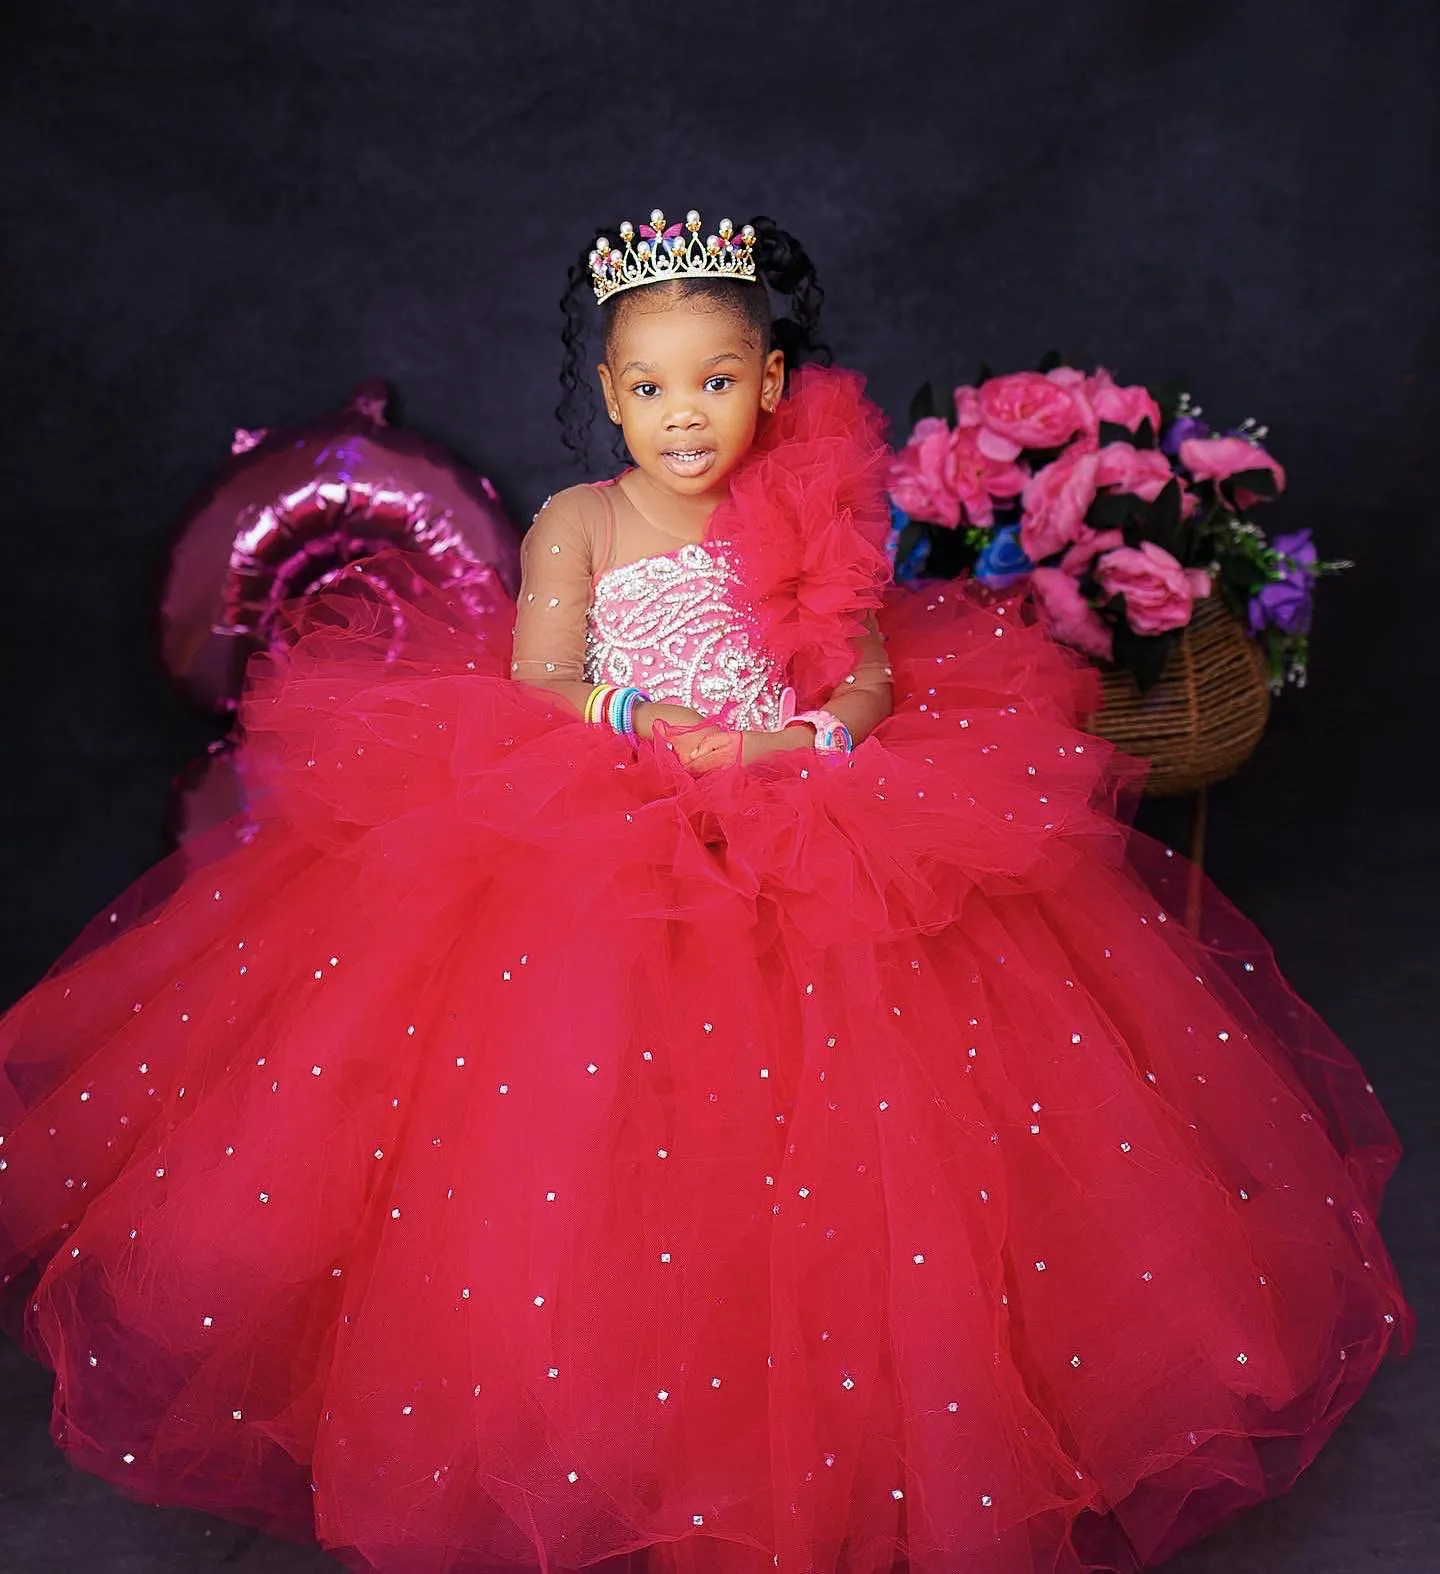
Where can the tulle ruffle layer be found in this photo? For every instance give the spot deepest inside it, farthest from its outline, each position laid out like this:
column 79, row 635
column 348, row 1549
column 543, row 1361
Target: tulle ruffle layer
column 806, row 518
column 521, row 1153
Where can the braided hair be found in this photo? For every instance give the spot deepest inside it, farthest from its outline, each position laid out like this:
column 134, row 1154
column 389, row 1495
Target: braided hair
column 781, row 263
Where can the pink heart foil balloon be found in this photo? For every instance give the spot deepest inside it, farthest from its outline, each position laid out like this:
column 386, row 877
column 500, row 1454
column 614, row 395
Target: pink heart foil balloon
column 294, row 505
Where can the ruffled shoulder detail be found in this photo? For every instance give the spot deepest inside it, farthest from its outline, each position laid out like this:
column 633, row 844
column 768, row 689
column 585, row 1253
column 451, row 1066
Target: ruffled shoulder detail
column 806, row 521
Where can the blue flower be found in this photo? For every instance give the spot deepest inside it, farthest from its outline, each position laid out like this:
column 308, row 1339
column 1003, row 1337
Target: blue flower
column 1002, row 563
column 898, row 520
column 912, row 565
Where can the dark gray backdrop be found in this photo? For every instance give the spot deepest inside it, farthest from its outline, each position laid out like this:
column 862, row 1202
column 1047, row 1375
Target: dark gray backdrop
column 216, row 214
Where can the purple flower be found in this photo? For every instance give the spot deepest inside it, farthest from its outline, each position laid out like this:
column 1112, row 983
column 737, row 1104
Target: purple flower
column 1286, row 603
column 1002, row 562
column 1300, row 549
column 1179, row 431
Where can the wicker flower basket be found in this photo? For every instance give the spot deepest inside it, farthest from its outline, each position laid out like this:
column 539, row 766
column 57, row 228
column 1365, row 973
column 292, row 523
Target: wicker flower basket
column 1205, row 716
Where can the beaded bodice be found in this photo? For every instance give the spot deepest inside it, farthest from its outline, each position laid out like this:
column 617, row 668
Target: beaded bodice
column 669, row 624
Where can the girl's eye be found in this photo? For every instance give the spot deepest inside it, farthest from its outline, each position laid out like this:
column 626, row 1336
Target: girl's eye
column 645, row 390
column 724, row 381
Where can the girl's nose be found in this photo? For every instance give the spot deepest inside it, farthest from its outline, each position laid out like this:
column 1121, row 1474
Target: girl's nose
column 682, row 418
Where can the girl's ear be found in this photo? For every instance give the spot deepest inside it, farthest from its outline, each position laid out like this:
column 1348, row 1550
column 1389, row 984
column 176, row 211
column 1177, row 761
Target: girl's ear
column 607, row 388
column 772, row 380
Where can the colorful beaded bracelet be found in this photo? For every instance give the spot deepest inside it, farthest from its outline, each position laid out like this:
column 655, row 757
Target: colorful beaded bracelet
column 610, row 705
column 621, row 711
column 595, row 702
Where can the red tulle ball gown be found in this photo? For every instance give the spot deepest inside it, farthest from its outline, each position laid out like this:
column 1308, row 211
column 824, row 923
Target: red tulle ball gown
column 521, row 1153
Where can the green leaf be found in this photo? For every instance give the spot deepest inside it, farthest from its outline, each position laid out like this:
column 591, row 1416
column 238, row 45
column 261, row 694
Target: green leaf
column 922, row 405
column 1261, row 482
column 1240, row 574
column 950, row 554
column 1239, row 578
column 1163, row 521
column 1235, row 597
column 1049, row 361
column 984, row 374
column 1145, row 434
column 1112, row 510
column 913, row 532
column 1113, row 432
column 1167, row 396
column 1215, row 512
column 1144, row 654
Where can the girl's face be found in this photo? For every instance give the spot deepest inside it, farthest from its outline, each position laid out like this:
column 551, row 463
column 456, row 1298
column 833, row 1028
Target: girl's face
column 687, row 381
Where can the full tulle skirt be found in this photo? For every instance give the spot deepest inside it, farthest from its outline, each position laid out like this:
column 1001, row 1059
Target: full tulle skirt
column 520, row 1153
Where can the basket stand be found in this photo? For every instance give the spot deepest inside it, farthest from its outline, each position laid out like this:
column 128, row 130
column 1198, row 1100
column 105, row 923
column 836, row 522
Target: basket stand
column 1197, row 725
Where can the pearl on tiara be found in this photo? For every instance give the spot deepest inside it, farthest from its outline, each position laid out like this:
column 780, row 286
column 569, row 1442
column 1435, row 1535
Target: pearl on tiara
column 676, row 252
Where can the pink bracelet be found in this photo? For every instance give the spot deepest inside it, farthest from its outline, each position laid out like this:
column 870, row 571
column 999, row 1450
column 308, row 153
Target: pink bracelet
column 832, row 736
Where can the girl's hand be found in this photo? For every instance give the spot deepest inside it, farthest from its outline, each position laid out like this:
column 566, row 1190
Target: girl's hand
column 760, row 745
column 701, row 749
column 715, row 749
column 710, row 750
column 648, row 712
column 684, row 732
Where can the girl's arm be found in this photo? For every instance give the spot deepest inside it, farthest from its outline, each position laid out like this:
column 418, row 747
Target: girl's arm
column 866, row 697
column 555, row 587
column 557, row 569
column 862, row 702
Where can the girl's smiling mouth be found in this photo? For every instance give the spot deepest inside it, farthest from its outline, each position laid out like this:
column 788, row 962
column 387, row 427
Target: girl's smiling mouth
column 688, row 462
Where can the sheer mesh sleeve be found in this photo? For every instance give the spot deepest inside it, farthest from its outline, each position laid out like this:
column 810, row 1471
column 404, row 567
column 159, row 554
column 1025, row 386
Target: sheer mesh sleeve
column 864, row 696
column 559, row 557
column 872, row 660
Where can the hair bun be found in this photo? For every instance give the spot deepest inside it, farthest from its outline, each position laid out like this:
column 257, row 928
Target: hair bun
column 784, row 264
column 780, row 259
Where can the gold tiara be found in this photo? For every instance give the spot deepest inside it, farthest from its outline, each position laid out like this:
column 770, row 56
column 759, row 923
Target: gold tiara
column 658, row 253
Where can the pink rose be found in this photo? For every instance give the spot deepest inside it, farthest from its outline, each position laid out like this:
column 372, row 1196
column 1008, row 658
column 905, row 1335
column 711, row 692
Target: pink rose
column 968, row 414
column 978, row 478
column 1029, row 410
column 1066, row 616
column 967, row 406
column 1127, row 407
column 920, row 479
column 1074, row 382
column 1159, row 594
column 1218, row 458
column 944, row 477
column 1055, row 502
column 993, row 446
column 1142, row 472
column 1086, row 547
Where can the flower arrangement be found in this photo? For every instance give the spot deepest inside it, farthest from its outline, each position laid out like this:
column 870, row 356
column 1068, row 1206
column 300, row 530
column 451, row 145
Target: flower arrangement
column 1114, row 508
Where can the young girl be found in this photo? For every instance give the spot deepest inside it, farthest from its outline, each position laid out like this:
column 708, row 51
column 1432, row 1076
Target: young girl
column 727, row 1095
